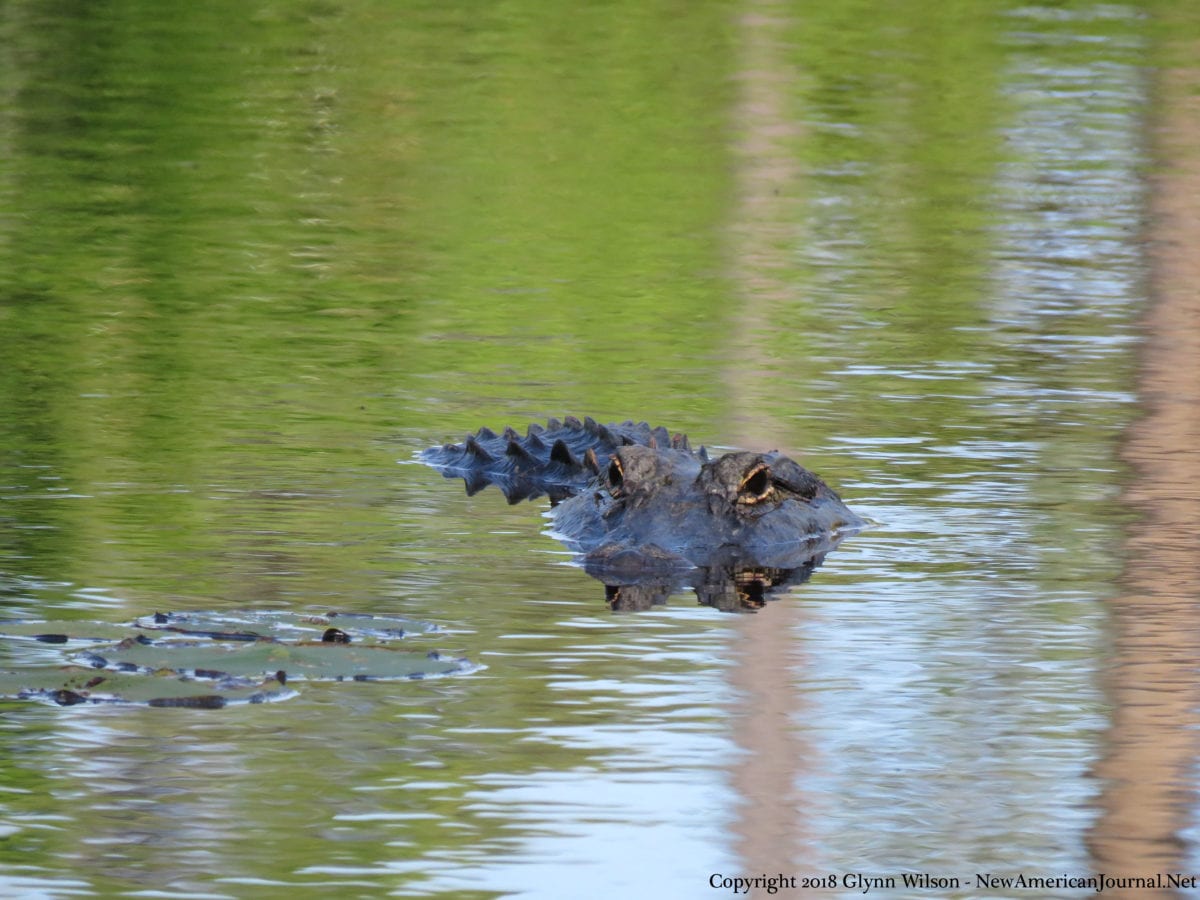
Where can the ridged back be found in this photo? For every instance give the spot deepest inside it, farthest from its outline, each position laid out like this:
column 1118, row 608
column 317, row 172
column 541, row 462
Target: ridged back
column 559, row 460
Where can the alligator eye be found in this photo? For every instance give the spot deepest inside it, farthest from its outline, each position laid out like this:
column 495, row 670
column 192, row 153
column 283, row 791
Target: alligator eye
column 616, row 477
column 756, row 486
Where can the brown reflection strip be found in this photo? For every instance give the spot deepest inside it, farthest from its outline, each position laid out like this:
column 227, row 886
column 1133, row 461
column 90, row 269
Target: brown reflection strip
column 1150, row 765
column 764, row 720
column 763, row 233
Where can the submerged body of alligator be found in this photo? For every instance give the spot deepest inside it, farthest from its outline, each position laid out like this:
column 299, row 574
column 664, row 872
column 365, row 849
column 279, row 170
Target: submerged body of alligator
column 648, row 514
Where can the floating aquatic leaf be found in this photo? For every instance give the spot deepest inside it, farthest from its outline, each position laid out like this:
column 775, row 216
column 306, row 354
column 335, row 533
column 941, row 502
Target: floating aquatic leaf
column 311, row 661
column 213, row 659
column 71, row 685
column 62, row 632
column 250, row 625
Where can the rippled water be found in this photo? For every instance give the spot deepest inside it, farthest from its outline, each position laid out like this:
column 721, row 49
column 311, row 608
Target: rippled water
column 257, row 259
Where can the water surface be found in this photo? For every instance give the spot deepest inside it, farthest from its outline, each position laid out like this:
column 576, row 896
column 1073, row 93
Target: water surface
column 255, row 257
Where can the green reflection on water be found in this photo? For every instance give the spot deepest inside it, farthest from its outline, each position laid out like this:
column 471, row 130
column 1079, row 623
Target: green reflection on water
column 226, row 220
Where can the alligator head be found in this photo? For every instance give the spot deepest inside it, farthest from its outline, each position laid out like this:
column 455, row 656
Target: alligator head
column 655, row 509
column 648, row 515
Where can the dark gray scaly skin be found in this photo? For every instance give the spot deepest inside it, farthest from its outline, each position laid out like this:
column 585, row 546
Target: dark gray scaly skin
column 560, row 460
column 753, row 508
column 636, row 501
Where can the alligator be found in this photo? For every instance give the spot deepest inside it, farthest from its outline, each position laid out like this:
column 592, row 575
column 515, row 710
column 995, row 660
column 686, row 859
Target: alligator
column 646, row 514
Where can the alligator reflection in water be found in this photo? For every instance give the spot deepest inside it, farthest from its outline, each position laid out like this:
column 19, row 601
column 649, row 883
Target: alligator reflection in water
column 728, row 588
column 649, row 516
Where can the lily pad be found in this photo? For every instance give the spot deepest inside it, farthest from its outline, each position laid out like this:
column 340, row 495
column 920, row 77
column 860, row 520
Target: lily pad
column 251, row 625
column 61, row 632
column 210, row 659
column 72, row 685
column 310, row 661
